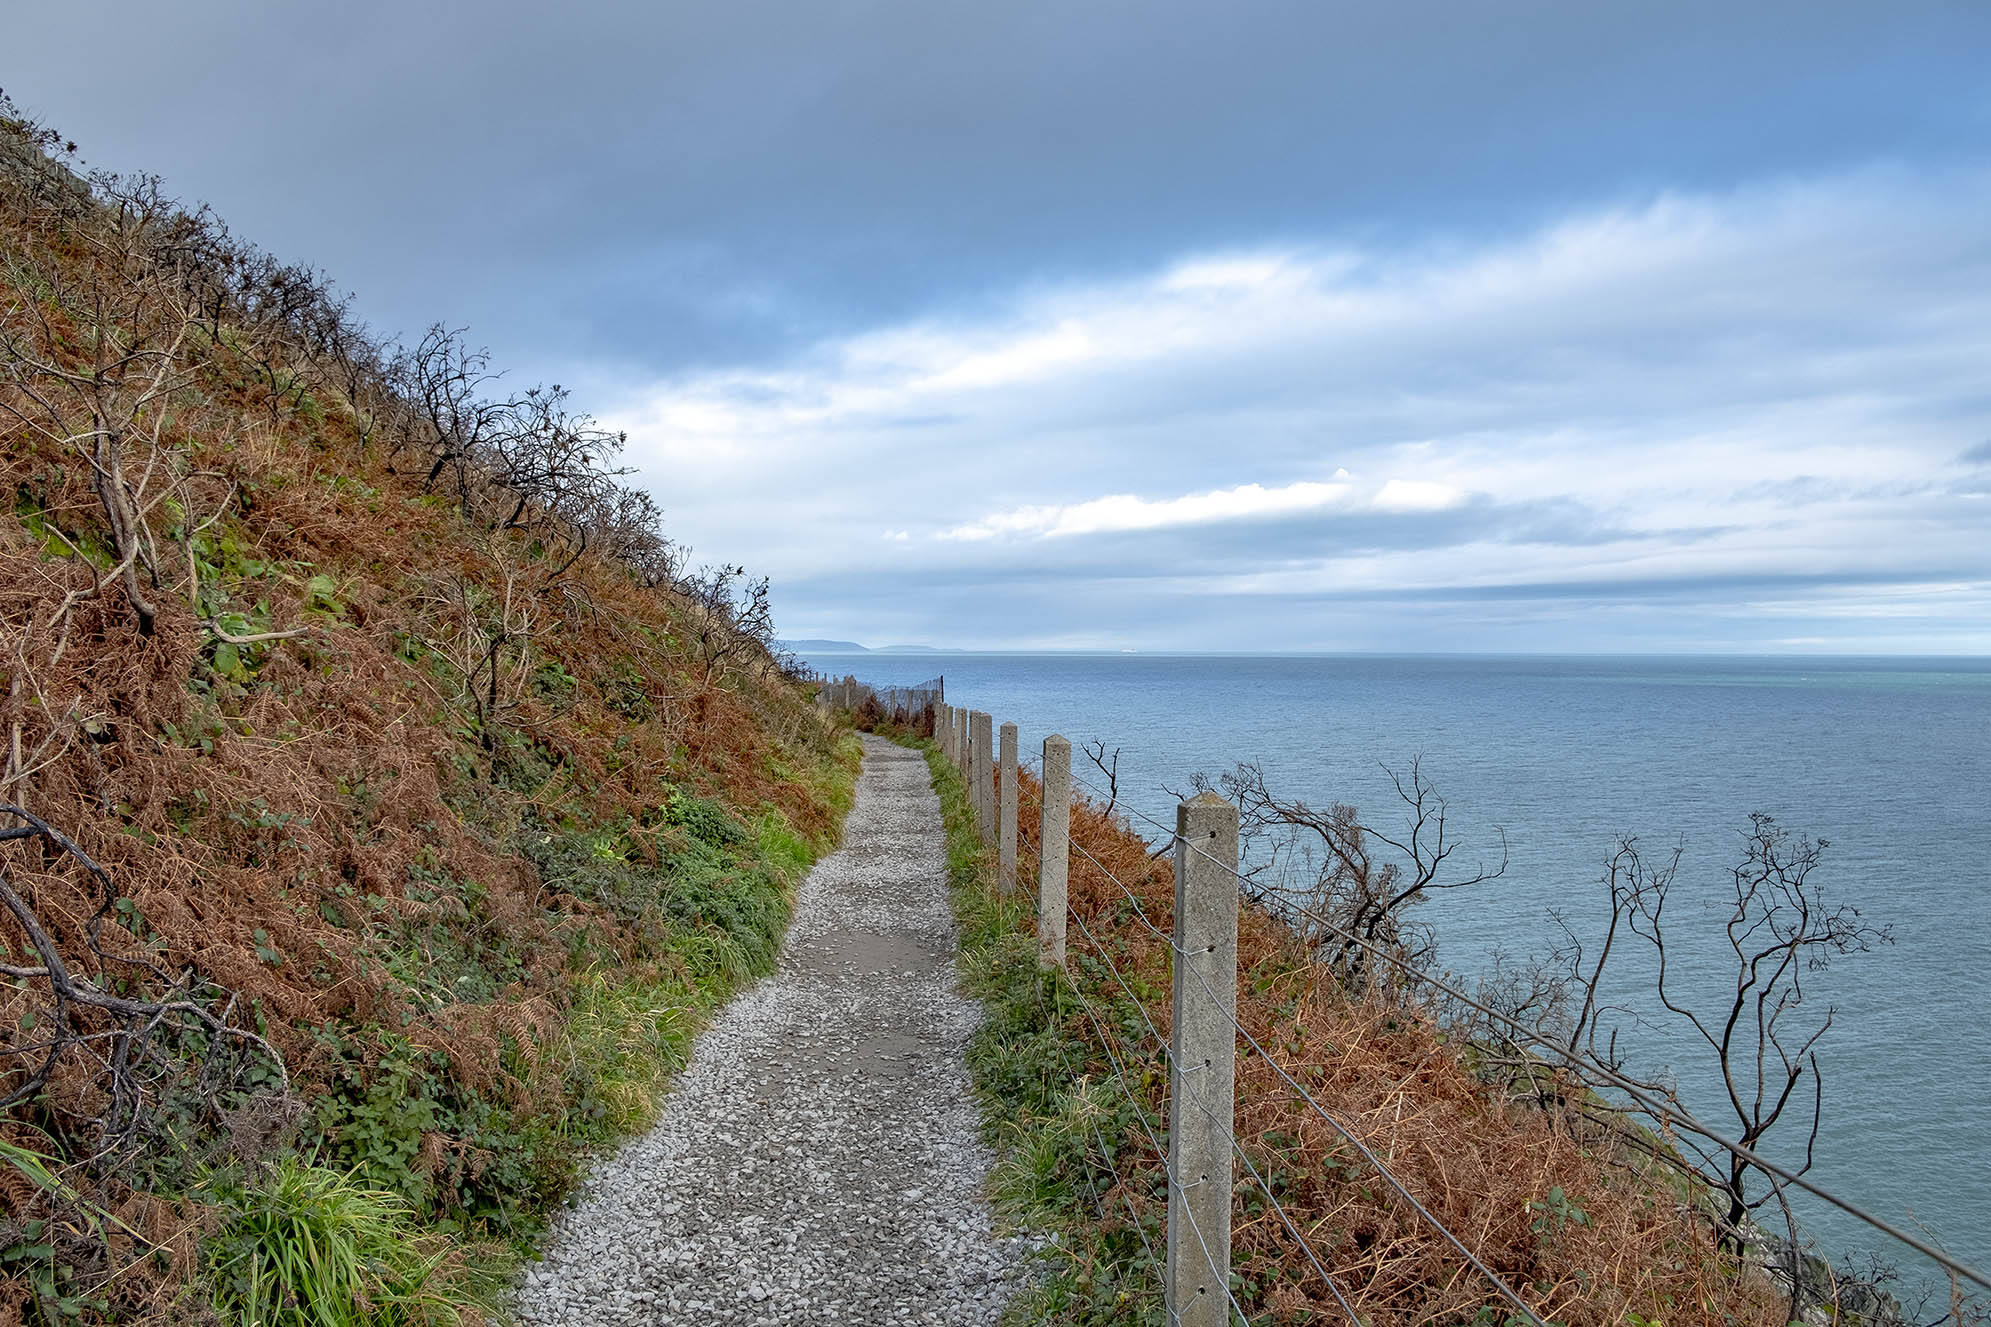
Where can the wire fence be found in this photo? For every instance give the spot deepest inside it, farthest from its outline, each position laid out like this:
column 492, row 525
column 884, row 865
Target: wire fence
column 1494, row 1280
column 1103, row 956
column 1186, row 1227
column 956, row 737
column 1667, row 1111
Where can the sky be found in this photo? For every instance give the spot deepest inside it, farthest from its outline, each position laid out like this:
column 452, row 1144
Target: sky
column 1473, row 325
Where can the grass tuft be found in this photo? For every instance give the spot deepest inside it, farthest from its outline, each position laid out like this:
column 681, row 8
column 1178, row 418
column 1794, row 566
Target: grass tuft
column 309, row 1246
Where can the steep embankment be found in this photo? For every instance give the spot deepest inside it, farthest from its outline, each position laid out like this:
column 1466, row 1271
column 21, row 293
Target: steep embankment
column 398, row 797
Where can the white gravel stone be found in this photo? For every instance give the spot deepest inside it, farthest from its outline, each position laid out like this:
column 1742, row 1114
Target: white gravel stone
column 818, row 1161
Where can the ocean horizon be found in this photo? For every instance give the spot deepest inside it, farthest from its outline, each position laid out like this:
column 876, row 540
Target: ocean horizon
column 807, row 655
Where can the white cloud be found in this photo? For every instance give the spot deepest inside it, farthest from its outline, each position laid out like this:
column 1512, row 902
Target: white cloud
column 1418, row 495
column 1767, row 384
column 1123, row 511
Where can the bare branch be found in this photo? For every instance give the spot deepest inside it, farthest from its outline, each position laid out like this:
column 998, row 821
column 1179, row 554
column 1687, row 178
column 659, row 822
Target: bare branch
column 1095, row 751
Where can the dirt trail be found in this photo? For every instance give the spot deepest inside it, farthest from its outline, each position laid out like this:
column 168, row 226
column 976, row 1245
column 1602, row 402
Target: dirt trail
column 818, row 1161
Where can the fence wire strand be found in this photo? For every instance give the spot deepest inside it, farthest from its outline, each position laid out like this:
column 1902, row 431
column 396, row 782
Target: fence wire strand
column 1174, row 1181
column 1493, row 1278
column 1105, row 1152
column 1107, row 1044
column 1635, row 1091
column 1671, row 1111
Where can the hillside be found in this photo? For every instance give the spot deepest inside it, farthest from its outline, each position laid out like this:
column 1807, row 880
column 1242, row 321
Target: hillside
column 387, row 794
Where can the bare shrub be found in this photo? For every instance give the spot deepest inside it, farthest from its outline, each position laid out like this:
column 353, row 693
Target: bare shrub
column 106, row 1034
column 91, row 347
column 1585, row 1242
column 1758, row 1035
column 731, row 619
column 1347, row 885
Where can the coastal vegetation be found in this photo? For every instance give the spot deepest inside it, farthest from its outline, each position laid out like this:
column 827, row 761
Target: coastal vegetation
column 384, row 796
column 1593, row 1218
column 1349, row 885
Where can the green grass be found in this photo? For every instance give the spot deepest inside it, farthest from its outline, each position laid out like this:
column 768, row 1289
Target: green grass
column 1047, row 1096
column 629, row 1038
column 356, row 1234
column 310, row 1246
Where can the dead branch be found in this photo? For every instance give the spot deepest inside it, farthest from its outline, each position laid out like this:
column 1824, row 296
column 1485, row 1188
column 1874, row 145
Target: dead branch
column 128, row 1045
column 1095, row 751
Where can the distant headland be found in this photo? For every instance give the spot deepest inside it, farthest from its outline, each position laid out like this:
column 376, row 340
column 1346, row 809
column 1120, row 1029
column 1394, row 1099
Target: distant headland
column 852, row 647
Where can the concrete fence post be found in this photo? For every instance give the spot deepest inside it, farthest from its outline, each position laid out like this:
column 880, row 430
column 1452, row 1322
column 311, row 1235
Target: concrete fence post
column 1203, row 1075
column 968, row 761
column 977, row 747
column 987, row 784
column 985, row 775
column 1006, row 813
column 1054, row 827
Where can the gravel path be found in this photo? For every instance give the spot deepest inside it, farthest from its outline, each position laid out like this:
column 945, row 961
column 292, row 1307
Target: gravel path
column 818, row 1161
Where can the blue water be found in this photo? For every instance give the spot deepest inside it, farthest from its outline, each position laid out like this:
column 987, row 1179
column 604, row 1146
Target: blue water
column 1889, row 760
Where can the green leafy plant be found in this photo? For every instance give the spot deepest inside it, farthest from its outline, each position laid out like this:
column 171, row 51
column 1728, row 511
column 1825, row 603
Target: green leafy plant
column 1555, row 1211
column 32, row 1254
column 379, row 1116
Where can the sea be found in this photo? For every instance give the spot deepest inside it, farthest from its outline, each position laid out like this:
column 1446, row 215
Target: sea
column 1886, row 761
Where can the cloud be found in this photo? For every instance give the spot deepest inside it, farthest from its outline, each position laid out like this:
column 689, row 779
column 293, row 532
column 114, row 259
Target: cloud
column 1418, row 495
column 1738, row 388
column 741, row 180
column 1123, row 511
column 1753, row 283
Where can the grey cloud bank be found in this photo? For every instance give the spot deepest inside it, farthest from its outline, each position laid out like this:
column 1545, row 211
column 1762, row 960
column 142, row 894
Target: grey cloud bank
column 1285, row 326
